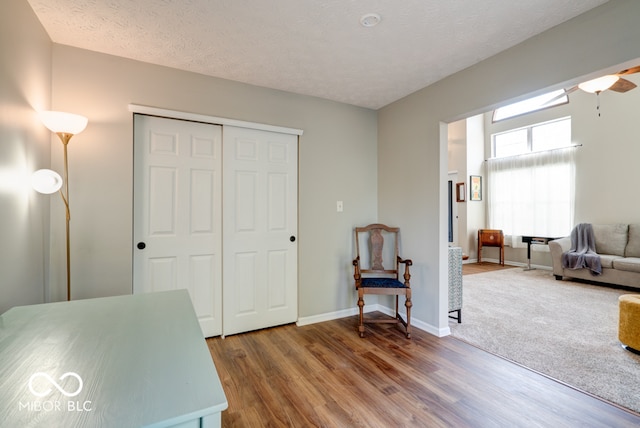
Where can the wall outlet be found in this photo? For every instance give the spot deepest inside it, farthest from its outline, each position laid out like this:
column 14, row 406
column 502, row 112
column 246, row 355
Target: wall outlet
column 339, row 206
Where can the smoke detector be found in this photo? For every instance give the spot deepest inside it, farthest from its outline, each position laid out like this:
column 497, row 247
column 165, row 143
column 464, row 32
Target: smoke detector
column 370, row 20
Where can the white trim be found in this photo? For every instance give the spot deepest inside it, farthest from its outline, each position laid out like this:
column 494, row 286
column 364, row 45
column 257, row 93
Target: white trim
column 429, row 328
column 329, row 316
column 174, row 114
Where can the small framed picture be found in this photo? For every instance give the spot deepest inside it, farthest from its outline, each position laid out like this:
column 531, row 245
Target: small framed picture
column 475, row 193
column 461, row 194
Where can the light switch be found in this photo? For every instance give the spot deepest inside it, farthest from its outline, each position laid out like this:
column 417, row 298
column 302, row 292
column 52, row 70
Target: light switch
column 339, row 206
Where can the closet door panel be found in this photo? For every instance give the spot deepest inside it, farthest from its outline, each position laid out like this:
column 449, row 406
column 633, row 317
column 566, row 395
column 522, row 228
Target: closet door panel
column 177, row 213
column 260, row 218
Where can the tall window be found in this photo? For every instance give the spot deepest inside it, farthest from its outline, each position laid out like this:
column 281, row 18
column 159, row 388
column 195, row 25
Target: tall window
column 530, row 180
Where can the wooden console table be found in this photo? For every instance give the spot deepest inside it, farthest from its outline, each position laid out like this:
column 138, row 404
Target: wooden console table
column 490, row 238
column 125, row 361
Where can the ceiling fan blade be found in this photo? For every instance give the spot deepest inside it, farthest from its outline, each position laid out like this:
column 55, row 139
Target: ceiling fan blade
column 622, row 85
column 631, row 70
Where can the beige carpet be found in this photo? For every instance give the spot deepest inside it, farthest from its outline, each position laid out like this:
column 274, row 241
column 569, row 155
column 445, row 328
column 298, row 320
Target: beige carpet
column 563, row 329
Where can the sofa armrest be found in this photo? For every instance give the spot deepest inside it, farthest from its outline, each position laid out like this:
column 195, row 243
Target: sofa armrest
column 557, row 247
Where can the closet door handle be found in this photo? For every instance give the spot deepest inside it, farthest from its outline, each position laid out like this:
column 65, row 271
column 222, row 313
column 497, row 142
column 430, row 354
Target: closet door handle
column 141, row 245
column 292, row 238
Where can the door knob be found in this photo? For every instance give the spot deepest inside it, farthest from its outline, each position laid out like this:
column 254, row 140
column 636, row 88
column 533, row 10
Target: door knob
column 141, row 245
column 292, row 238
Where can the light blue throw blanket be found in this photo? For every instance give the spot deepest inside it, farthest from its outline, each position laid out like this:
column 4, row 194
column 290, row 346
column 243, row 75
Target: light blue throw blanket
column 583, row 250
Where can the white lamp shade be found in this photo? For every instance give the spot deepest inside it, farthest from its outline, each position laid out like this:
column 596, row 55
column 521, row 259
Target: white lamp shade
column 46, row 181
column 68, row 123
column 600, row 84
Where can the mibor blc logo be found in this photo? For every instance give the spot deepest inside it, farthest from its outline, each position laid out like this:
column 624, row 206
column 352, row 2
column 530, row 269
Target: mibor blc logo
column 48, row 390
column 41, row 385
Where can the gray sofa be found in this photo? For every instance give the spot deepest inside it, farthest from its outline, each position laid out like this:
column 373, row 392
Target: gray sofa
column 619, row 248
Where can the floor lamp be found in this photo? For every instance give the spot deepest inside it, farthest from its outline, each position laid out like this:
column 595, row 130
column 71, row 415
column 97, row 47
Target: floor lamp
column 65, row 125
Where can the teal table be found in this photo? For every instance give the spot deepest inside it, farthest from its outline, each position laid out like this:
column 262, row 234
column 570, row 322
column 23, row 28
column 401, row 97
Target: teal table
column 126, row 361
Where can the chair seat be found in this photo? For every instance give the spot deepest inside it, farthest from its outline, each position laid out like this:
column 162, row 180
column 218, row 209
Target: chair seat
column 382, row 283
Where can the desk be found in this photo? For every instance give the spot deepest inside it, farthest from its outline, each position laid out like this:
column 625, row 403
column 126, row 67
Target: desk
column 534, row 240
column 125, row 361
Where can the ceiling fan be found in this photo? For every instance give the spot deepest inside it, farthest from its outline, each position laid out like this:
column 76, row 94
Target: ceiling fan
column 611, row 82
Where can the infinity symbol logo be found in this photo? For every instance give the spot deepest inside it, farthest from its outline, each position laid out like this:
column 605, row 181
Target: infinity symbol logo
column 53, row 382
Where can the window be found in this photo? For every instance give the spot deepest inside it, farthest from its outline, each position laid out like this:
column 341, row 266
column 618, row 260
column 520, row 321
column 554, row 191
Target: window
column 534, row 138
column 540, row 102
column 530, row 181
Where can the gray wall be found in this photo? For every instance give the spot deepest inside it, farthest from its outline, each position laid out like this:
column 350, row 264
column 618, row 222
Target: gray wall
column 337, row 161
column 412, row 132
column 25, row 87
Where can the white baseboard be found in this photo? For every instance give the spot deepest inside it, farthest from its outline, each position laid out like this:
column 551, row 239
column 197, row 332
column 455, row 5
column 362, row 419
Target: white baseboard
column 302, row 321
column 533, row 266
column 429, row 328
column 331, row 316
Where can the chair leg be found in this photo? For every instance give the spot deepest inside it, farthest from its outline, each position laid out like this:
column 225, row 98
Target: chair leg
column 408, row 305
column 397, row 313
column 361, row 308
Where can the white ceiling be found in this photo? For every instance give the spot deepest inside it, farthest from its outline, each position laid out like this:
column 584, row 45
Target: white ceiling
column 310, row 47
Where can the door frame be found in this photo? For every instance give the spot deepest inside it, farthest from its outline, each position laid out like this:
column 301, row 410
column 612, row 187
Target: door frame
column 453, row 206
column 215, row 120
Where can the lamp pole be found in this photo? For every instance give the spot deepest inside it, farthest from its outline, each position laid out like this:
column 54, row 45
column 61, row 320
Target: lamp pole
column 65, row 137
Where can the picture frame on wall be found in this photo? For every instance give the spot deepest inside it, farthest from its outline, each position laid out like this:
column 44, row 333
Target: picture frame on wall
column 475, row 188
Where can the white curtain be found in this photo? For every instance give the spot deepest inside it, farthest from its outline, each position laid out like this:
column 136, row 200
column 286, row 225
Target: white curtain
column 532, row 194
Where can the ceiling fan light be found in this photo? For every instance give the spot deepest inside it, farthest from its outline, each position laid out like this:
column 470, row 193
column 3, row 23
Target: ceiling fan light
column 600, row 84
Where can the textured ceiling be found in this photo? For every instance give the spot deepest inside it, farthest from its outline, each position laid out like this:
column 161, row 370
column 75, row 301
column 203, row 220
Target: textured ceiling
column 308, row 47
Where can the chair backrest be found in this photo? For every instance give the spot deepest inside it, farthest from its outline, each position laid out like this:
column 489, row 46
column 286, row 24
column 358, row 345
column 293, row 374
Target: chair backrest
column 377, row 250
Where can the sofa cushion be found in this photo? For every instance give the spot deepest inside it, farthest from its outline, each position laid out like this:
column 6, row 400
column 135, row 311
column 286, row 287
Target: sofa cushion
column 611, row 238
column 606, row 260
column 633, row 245
column 630, row 264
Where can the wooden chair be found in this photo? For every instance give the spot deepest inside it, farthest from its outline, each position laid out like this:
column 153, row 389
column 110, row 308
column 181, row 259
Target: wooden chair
column 377, row 271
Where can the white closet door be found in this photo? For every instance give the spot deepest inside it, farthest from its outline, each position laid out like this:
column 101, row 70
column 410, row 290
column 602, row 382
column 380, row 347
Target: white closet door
column 177, row 213
column 260, row 229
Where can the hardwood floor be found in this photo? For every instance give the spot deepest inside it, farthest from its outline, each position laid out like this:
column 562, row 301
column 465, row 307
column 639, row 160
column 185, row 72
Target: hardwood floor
column 325, row 375
column 471, row 268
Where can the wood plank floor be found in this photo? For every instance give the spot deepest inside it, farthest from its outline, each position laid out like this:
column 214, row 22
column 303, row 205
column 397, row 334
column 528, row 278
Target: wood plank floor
column 471, row 268
column 325, row 375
